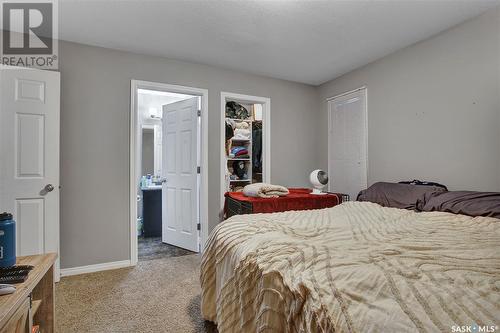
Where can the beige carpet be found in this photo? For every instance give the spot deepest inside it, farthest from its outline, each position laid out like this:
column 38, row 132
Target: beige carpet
column 160, row 295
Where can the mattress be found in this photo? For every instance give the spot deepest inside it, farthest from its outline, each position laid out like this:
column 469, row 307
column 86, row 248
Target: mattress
column 356, row 267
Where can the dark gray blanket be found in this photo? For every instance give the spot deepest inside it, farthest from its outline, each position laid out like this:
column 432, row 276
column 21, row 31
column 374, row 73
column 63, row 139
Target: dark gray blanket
column 404, row 196
column 464, row 202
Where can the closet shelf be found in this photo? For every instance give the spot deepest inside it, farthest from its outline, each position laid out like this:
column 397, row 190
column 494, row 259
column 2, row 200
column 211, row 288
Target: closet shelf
column 238, row 159
column 239, row 180
column 237, row 119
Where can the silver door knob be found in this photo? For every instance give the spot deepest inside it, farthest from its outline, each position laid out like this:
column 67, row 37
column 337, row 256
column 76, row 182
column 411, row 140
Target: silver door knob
column 49, row 188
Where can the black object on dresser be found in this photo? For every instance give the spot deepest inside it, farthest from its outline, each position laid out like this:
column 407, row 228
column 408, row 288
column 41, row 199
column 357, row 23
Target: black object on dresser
column 14, row 274
column 151, row 212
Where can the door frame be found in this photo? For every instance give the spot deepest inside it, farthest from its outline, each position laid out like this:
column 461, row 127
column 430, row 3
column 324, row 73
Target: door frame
column 266, row 136
column 364, row 90
column 134, row 149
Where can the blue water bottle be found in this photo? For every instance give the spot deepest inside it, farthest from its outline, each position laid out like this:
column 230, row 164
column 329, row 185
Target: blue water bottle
column 7, row 240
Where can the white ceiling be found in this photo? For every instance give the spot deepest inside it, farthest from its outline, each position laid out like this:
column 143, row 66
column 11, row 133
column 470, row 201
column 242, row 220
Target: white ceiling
column 309, row 41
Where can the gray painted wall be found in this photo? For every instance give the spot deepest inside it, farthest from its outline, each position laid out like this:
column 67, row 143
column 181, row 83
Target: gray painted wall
column 95, row 98
column 433, row 109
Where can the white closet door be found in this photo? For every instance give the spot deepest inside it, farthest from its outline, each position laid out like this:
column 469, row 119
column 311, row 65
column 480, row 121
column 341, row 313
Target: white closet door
column 29, row 162
column 347, row 143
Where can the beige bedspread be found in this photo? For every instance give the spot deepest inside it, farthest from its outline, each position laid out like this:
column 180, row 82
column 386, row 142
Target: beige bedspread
column 356, row 267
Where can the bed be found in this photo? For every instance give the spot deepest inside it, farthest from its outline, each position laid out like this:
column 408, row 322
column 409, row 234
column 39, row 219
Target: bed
column 356, row 267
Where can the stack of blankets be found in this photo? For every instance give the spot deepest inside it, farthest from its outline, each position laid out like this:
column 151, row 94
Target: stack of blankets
column 239, row 151
column 264, row 190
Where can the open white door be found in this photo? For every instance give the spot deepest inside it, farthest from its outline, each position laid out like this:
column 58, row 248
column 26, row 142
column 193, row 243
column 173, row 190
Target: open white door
column 179, row 171
column 29, row 162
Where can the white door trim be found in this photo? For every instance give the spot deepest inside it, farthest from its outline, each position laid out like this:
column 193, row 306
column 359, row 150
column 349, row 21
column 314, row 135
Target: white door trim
column 346, row 93
column 134, row 133
column 363, row 90
column 266, row 136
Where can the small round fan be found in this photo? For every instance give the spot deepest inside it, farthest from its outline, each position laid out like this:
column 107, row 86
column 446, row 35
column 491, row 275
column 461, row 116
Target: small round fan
column 318, row 179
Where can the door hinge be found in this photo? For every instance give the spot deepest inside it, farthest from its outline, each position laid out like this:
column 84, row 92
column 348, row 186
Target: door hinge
column 199, row 113
column 198, row 169
column 198, row 226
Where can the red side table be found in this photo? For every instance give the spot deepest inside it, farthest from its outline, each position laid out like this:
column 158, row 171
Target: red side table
column 298, row 199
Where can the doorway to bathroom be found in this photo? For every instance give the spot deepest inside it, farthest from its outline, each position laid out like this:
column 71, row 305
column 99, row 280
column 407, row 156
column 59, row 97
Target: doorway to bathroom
column 168, row 195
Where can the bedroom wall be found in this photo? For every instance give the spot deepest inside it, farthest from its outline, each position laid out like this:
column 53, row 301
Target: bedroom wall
column 433, row 109
column 95, row 98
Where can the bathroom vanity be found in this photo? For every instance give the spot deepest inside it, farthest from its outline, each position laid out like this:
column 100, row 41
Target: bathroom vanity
column 151, row 210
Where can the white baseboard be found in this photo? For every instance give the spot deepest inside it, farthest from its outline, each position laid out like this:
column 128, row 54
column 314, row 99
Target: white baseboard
column 95, row 268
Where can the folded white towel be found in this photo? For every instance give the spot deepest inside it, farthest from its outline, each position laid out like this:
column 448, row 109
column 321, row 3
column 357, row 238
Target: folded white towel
column 264, row 190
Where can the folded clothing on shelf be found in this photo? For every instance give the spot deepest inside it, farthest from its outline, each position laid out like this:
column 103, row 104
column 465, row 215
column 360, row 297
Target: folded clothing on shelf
column 242, row 134
column 241, row 124
column 238, row 151
column 236, row 110
column 241, row 153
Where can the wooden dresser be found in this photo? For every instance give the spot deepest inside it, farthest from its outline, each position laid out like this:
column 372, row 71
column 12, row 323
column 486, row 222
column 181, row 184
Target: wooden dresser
column 33, row 301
